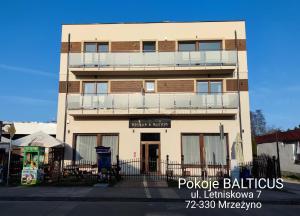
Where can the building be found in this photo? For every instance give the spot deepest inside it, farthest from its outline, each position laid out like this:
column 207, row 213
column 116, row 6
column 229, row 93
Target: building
column 288, row 149
column 148, row 90
column 26, row 128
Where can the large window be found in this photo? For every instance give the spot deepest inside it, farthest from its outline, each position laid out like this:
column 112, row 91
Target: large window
column 215, row 149
column 95, row 88
column 209, row 86
column 149, row 46
column 191, row 149
column 85, row 146
column 112, row 142
column 210, row 45
column 96, row 47
column 186, row 46
column 206, row 148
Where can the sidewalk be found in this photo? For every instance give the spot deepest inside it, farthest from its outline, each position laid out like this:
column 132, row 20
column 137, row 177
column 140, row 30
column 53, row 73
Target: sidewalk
column 290, row 196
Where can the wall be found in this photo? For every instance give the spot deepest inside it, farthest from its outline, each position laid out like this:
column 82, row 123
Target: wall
column 285, row 153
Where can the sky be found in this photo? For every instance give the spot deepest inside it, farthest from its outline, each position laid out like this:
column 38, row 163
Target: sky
column 30, row 36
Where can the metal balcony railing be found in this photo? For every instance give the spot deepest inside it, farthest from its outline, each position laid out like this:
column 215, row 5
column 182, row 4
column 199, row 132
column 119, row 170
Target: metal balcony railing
column 152, row 59
column 153, row 101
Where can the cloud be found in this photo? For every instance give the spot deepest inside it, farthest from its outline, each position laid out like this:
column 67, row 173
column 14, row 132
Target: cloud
column 27, row 70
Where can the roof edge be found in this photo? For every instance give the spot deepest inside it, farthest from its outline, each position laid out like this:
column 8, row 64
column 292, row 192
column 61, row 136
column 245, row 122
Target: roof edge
column 153, row 22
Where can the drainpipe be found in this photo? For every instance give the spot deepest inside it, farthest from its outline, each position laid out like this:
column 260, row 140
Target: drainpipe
column 278, row 157
column 238, row 86
column 67, row 90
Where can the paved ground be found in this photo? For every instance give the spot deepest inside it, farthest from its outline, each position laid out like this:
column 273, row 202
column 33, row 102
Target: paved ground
column 132, row 208
column 139, row 200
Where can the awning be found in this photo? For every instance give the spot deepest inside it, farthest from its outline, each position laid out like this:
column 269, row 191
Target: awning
column 38, row 139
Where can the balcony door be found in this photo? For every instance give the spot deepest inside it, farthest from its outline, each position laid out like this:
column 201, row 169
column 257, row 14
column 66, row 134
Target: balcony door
column 150, row 153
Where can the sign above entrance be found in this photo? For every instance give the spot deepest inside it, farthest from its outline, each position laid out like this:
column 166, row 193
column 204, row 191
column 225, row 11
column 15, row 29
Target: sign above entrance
column 150, row 123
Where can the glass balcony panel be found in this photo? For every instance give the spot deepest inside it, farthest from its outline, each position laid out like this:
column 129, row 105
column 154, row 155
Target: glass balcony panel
column 121, row 59
column 166, row 58
column 214, row 100
column 183, row 58
column 91, row 59
column 87, row 102
column 195, row 58
column 137, row 59
column 182, row 101
column 198, row 101
column 167, row 101
column 74, row 101
column 136, row 101
column 213, row 57
column 152, row 101
column 151, row 58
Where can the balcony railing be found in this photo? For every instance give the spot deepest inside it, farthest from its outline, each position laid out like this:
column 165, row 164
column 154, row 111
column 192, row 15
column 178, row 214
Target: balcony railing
column 157, row 103
column 152, row 59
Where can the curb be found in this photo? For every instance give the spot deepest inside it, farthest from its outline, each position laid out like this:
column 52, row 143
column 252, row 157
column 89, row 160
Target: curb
column 133, row 199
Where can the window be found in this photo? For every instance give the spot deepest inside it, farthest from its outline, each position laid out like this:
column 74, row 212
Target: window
column 210, row 45
column 216, row 87
column 96, row 47
column 90, row 47
column 191, row 149
column 202, row 87
column 209, row 87
column 89, row 88
column 95, row 88
column 208, row 146
column 149, row 86
column 102, row 88
column 149, row 46
column 85, row 147
column 215, row 149
column 112, row 142
column 187, row 46
column 103, row 47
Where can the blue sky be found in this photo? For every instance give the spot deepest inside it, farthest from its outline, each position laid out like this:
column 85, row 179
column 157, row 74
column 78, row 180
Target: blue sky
column 30, row 36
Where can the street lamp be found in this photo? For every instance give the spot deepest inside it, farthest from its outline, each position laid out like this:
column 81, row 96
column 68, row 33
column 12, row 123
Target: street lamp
column 10, row 129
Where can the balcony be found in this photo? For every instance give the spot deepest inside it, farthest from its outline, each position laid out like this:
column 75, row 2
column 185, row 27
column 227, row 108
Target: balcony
column 153, row 103
column 134, row 61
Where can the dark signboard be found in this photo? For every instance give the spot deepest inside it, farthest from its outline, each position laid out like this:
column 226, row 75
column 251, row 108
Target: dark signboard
column 150, row 123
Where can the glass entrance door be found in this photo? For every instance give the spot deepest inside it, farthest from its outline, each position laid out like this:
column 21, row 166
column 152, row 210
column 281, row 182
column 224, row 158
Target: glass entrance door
column 150, row 157
column 150, row 153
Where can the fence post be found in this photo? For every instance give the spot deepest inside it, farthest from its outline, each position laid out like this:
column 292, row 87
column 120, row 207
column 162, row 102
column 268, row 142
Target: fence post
column 167, row 169
column 118, row 168
column 182, row 165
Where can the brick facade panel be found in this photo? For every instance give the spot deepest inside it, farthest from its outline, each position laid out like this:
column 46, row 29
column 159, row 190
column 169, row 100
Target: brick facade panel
column 175, row 85
column 126, row 86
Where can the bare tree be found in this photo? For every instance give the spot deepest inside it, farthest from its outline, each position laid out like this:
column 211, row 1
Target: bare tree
column 258, row 123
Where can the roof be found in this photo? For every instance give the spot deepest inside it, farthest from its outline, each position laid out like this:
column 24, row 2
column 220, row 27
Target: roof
column 38, row 139
column 107, row 23
column 4, row 140
column 288, row 136
column 32, row 127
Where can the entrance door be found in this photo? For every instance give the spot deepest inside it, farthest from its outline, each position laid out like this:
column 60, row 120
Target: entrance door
column 150, row 153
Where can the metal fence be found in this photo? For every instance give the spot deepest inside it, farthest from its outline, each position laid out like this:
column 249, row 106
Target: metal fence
column 60, row 172
column 169, row 170
column 262, row 166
